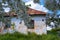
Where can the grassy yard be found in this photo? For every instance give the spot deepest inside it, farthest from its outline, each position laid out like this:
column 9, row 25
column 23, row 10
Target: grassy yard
column 52, row 35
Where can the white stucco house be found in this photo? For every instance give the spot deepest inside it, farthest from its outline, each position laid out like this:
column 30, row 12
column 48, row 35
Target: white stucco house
column 38, row 13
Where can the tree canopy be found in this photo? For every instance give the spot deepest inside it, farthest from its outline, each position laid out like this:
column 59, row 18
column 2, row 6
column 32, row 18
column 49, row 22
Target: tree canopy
column 52, row 4
column 18, row 6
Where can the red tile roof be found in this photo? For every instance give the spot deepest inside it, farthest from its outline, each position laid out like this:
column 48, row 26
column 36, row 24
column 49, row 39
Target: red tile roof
column 32, row 11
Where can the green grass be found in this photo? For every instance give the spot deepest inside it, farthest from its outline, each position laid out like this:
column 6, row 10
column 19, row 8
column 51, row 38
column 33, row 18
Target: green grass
column 52, row 35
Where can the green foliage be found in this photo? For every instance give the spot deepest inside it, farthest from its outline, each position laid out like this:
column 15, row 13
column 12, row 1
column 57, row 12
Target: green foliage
column 30, row 36
column 57, row 29
column 13, row 24
column 52, row 5
column 36, row 1
column 16, row 6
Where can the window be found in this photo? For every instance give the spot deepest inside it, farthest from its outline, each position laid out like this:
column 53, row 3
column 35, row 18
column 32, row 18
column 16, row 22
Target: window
column 20, row 22
column 42, row 19
column 31, row 23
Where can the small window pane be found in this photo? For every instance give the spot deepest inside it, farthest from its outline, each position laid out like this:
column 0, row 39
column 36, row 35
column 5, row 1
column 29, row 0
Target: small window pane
column 32, row 23
column 42, row 19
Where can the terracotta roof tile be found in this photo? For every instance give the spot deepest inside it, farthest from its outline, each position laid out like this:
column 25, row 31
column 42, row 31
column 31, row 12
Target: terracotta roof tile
column 32, row 11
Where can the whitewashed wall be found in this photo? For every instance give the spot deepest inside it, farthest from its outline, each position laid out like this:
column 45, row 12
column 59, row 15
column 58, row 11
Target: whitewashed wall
column 39, row 25
column 19, row 27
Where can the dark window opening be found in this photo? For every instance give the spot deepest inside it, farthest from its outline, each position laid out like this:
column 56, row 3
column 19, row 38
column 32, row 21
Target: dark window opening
column 32, row 24
column 20, row 22
column 42, row 19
